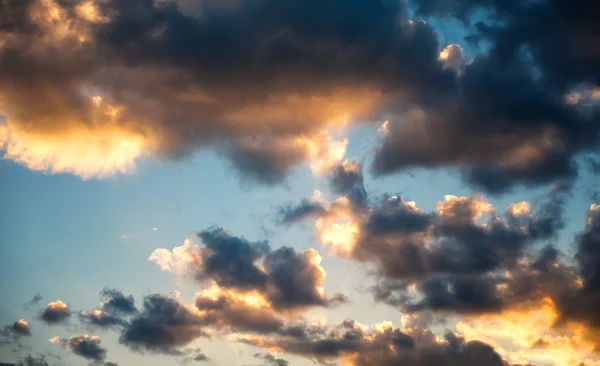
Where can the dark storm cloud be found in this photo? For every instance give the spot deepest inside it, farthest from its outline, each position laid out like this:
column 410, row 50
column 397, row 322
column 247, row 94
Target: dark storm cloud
column 162, row 325
column 55, row 312
column 291, row 213
column 117, row 303
column 347, row 180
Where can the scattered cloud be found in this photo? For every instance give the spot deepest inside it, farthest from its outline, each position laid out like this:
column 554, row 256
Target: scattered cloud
column 55, row 312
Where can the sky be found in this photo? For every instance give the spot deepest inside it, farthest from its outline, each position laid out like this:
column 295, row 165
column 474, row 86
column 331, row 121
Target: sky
column 299, row 182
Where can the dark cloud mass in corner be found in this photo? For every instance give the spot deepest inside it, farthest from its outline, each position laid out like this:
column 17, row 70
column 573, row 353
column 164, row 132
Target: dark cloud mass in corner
column 511, row 124
column 29, row 360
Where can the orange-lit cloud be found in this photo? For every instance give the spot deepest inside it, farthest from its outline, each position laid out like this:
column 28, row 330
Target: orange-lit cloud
column 84, row 151
column 530, row 335
column 339, row 229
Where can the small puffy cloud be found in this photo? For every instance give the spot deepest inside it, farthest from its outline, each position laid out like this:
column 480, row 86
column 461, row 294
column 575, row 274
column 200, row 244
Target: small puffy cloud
column 12, row 332
column 270, row 360
column 101, row 319
column 21, row 327
column 453, row 57
column 116, row 302
column 113, row 310
column 347, row 180
column 55, row 312
column 195, row 355
column 176, row 260
column 84, row 346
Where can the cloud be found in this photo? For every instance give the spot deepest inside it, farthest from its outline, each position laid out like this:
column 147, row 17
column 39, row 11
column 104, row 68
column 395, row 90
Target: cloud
column 502, row 97
column 84, row 346
column 113, row 310
column 11, row 334
column 116, row 114
column 101, row 319
column 29, row 361
column 21, row 327
column 162, row 325
column 454, row 259
column 34, row 301
column 578, row 305
column 296, row 212
column 230, row 261
column 289, row 74
column 357, row 344
column 116, row 302
column 196, row 355
column 347, row 180
column 55, row 312
column 285, row 278
column 271, row 360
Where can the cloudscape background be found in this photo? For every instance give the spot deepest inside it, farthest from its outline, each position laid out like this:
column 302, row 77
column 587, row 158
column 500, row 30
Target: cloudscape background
column 291, row 182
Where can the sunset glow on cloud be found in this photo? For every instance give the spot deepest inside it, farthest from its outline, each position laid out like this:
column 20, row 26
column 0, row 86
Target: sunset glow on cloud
column 356, row 183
